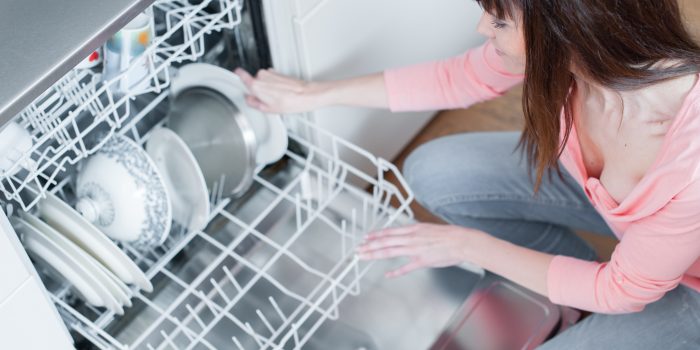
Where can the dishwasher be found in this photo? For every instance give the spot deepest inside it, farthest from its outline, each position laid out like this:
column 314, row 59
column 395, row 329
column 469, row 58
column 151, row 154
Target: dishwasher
column 273, row 267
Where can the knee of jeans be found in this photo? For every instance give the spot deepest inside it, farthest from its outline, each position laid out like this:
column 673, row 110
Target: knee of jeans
column 436, row 172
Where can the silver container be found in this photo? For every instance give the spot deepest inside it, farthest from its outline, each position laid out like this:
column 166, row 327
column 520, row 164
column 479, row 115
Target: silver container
column 220, row 137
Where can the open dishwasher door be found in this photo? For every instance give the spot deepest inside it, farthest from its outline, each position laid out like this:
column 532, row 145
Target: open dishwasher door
column 28, row 319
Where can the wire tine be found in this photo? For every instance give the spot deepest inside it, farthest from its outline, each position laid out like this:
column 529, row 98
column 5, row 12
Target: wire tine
column 355, row 286
column 220, row 192
column 364, row 215
column 238, row 344
column 265, row 321
column 195, row 316
column 168, row 340
column 295, row 332
column 335, row 313
column 298, row 212
column 353, row 223
column 330, row 177
column 219, row 290
column 207, row 301
column 277, row 308
column 212, row 194
column 343, row 238
column 255, row 335
column 375, row 205
column 232, row 279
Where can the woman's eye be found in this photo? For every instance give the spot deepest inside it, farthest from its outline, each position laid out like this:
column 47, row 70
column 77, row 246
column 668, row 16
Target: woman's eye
column 498, row 25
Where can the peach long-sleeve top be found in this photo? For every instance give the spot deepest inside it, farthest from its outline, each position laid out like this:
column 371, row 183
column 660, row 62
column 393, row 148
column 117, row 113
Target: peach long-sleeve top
column 658, row 223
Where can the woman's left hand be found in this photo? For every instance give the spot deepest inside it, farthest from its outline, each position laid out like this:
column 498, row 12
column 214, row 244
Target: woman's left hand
column 426, row 245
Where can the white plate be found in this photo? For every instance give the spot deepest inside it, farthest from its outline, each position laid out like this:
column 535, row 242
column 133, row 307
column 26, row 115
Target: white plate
column 270, row 132
column 116, row 288
column 72, row 225
column 88, row 287
column 182, row 176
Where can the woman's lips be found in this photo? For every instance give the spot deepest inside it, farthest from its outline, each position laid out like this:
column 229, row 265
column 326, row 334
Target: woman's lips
column 500, row 53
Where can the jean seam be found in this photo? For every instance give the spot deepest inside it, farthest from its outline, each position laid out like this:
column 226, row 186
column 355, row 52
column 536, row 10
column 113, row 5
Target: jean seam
column 449, row 200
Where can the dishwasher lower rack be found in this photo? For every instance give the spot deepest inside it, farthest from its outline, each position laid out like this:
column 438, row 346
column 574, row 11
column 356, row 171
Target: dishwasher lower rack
column 264, row 275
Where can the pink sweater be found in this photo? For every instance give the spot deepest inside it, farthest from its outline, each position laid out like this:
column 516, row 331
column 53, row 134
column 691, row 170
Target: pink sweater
column 658, row 223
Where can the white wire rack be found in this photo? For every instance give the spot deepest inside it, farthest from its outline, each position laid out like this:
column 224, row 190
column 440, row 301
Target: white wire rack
column 260, row 287
column 63, row 118
column 275, row 297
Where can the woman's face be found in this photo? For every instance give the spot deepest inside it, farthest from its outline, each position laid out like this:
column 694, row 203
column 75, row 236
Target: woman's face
column 508, row 39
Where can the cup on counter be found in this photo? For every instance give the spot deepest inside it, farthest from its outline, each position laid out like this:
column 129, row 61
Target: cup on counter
column 125, row 52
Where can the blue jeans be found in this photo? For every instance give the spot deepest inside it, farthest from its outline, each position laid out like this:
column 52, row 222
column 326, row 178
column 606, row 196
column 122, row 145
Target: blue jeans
column 479, row 180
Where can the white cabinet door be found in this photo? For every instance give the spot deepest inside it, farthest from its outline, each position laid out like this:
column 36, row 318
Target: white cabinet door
column 332, row 39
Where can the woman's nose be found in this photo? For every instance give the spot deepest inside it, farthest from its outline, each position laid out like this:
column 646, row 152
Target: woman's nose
column 484, row 27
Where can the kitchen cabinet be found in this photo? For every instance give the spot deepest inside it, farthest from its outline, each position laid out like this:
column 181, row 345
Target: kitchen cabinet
column 335, row 39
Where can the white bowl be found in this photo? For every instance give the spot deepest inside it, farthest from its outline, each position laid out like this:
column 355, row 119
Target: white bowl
column 121, row 192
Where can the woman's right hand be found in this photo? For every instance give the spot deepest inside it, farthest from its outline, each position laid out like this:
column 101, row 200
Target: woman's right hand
column 271, row 92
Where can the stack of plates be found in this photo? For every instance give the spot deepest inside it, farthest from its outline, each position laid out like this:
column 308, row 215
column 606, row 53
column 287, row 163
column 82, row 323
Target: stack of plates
column 75, row 251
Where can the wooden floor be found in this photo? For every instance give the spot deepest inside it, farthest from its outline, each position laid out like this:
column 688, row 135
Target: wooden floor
column 505, row 113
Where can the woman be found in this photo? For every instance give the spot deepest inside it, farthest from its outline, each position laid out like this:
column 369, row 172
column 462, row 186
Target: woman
column 611, row 92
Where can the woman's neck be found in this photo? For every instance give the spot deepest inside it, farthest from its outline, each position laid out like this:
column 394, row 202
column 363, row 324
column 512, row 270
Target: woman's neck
column 593, row 92
column 664, row 97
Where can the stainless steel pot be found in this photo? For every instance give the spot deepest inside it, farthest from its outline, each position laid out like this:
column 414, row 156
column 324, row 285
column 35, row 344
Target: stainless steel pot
column 220, row 137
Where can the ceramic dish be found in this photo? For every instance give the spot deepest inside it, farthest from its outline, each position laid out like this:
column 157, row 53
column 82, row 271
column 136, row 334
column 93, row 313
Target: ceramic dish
column 219, row 137
column 62, row 263
column 183, row 178
column 73, row 226
column 270, row 131
column 115, row 287
column 121, row 191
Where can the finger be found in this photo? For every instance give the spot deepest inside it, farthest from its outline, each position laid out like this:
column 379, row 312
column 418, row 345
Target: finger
column 412, row 266
column 393, row 231
column 283, row 78
column 253, row 101
column 385, row 242
column 246, row 78
column 386, row 253
column 269, row 74
column 273, row 85
column 256, row 103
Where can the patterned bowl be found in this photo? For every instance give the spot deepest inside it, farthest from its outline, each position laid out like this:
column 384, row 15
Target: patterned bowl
column 120, row 190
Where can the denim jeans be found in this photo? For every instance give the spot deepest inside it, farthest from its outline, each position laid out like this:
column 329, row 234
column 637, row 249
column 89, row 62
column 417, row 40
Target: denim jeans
column 479, row 180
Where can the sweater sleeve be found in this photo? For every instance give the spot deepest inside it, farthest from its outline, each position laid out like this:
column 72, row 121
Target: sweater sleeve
column 650, row 259
column 458, row 82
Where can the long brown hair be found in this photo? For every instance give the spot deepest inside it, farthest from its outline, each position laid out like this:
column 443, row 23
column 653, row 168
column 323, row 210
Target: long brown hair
column 616, row 43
